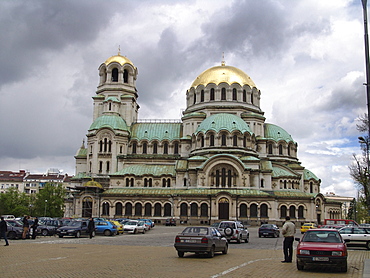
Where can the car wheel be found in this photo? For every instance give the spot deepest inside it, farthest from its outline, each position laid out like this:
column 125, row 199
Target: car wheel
column 259, row 236
column 12, row 235
column 247, row 239
column 211, row 253
column 78, row 234
column 107, row 233
column 300, row 266
column 229, row 231
column 143, row 231
column 180, row 254
column 60, row 236
column 44, row 232
column 225, row 249
column 239, row 240
column 135, row 231
column 368, row 245
column 343, row 268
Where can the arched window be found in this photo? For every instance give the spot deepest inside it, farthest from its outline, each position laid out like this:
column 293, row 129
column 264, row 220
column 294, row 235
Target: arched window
column 252, row 98
column 195, row 98
column 253, row 210
column 155, row 148
column 269, row 147
column 138, row 209
column 168, row 182
column 202, row 141
column 280, row 149
column 119, row 208
column 283, row 211
column 285, row 185
column 163, row 182
column 148, row 209
column 244, row 96
column 264, row 210
column 107, row 166
column 212, row 94
column 183, row 209
column 211, row 140
column 223, row 140
column 105, row 208
column 157, row 210
column 292, row 212
column 244, row 141
column 262, row 183
column 127, row 182
column 235, row 95
column 165, row 148
column 134, row 145
column 145, row 182
column 132, row 182
column 125, row 76
column 204, row 210
column 311, row 187
column 289, row 150
column 235, row 140
column 87, row 207
column 202, row 96
column 300, row 212
column 145, row 148
column 176, row 148
column 100, row 166
column 110, row 106
column 194, row 209
column 167, row 210
column 128, row 209
column 223, row 94
column 243, row 211
column 115, row 75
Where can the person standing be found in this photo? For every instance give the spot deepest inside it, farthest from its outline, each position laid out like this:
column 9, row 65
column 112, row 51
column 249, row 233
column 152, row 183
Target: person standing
column 26, row 226
column 288, row 232
column 91, row 227
column 3, row 230
column 34, row 227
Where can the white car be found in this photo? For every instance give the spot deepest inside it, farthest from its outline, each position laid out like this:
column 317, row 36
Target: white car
column 356, row 236
column 134, row 227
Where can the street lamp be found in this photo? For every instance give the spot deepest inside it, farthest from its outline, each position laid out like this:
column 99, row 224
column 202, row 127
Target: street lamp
column 367, row 63
column 46, row 201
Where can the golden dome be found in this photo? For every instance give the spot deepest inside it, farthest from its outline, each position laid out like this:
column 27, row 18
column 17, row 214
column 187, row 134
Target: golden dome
column 93, row 183
column 221, row 74
column 119, row 59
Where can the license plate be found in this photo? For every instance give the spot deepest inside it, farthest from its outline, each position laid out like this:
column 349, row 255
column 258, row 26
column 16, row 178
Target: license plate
column 265, row 233
column 190, row 240
column 320, row 259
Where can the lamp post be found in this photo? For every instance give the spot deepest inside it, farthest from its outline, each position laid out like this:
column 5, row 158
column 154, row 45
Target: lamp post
column 46, row 201
column 367, row 63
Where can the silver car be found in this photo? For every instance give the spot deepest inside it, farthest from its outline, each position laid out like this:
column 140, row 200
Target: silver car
column 233, row 230
column 134, row 227
column 200, row 240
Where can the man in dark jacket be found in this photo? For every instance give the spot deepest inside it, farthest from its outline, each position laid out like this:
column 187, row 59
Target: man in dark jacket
column 3, row 230
column 91, row 227
column 34, row 227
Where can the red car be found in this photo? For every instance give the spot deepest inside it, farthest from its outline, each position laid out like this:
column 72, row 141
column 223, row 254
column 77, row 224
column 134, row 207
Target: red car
column 322, row 247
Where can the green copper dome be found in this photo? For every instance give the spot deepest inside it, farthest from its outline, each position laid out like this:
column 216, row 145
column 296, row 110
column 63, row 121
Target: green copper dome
column 223, row 121
column 114, row 122
column 276, row 133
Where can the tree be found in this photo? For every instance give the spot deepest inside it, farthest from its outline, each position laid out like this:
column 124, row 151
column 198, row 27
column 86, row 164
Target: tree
column 50, row 201
column 15, row 203
column 359, row 169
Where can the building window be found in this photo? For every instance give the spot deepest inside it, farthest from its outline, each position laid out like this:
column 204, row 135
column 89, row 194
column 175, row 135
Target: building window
column 253, row 209
column 269, row 147
column 202, row 141
column 311, row 187
column 107, row 166
column 202, row 96
column 115, row 75
column 300, row 212
column 165, row 148
column 280, row 149
column 244, row 96
column 138, row 209
column 128, row 209
column 134, row 146
column 223, row 140
column 145, row 147
column 211, row 140
column 155, row 148
column 148, row 209
column 264, row 210
column 194, row 209
column 105, row 208
column 125, row 76
column 157, row 210
column 243, row 210
column 183, row 209
column 252, row 98
column 235, row 140
column 119, row 208
column 262, row 183
column 223, row 94
column 176, row 148
column 212, row 94
column 204, row 210
column 167, row 210
column 100, row 166
column 283, row 211
column 235, row 95
column 292, row 212
column 195, row 98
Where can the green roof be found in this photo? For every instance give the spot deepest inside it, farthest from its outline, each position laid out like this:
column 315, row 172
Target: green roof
column 295, row 194
column 147, row 169
column 82, row 152
column 114, row 122
column 276, row 133
column 223, row 121
column 156, row 131
column 114, row 99
column 308, row 175
column 280, row 172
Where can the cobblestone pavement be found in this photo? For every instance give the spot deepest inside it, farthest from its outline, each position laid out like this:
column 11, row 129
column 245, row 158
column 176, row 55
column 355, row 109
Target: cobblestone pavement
column 82, row 259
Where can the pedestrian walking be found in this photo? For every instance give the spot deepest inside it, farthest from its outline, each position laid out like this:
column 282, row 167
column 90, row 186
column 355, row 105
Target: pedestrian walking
column 288, row 232
column 26, row 226
column 34, row 227
column 91, row 227
column 3, row 230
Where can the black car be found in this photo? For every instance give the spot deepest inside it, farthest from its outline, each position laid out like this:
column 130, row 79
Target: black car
column 75, row 228
column 170, row 222
column 15, row 230
column 268, row 230
column 50, row 226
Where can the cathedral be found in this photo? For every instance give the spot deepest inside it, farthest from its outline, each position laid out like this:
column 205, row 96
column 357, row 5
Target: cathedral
column 220, row 161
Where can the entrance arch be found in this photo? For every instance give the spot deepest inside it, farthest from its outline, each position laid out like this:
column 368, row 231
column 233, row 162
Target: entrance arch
column 223, row 209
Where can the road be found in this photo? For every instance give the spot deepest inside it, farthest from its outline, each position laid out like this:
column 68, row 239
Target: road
column 153, row 255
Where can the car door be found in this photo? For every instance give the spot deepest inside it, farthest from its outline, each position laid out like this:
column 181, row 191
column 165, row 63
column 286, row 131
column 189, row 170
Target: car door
column 216, row 236
column 346, row 233
column 360, row 235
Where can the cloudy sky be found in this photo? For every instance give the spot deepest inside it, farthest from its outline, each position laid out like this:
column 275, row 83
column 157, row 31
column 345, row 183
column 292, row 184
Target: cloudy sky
column 306, row 57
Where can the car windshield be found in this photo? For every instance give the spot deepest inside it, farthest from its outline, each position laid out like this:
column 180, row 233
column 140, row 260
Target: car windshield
column 134, row 223
column 267, row 226
column 321, row 236
column 196, row 230
column 215, row 224
column 75, row 223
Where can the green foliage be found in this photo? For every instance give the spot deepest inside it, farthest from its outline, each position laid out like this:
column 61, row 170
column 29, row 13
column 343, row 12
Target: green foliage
column 14, row 202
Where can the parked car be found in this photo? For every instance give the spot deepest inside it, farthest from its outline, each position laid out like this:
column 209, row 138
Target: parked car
column 74, row 228
column 105, row 227
column 118, row 225
column 148, row 222
column 15, row 230
column 306, row 226
column 233, row 230
column 170, row 222
column 134, row 227
column 200, row 240
column 354, row 235
column 49, row 227
column 322, row 247
column 268, row 230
